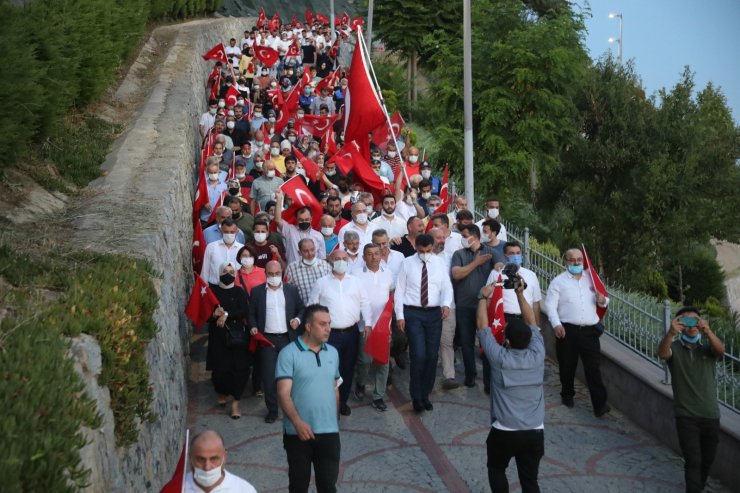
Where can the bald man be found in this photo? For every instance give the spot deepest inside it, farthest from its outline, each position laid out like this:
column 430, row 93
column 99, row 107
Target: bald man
column 207, row 473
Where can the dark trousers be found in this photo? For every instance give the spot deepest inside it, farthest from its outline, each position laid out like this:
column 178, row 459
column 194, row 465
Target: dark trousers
column 583, row 342
column 527, row 447
column 424, row 331
column 322, row 452
column 345, row 342
column 698, row 438
column 256, row 372
column 466, row 328
column 268, row 361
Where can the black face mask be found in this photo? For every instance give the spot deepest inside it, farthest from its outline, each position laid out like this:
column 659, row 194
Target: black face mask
column 236, row 215
column 226, row 279
column 343, row 188
column 304, row 226
column 233, row 191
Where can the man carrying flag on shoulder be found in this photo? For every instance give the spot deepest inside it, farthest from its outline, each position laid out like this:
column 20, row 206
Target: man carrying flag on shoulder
column 574, row 300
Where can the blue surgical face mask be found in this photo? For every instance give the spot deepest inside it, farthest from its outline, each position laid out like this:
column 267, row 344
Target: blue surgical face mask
column 517, row 259
column 575, row 269
column 691, row 340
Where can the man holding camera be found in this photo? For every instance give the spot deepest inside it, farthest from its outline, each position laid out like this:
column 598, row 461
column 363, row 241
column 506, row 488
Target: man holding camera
column 693, row 364
column 517, row 395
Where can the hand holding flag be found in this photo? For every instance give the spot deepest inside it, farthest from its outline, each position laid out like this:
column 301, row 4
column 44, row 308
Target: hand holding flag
column 598, row 285
column 378, row 344
column 202, row 303
column 217, row 53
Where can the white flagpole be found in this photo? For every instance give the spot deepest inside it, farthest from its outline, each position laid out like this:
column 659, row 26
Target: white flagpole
column 185, row 459
column 360, row 39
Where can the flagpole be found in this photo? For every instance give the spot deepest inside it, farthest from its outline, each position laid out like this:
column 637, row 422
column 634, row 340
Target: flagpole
column 360, row 39
column 185, row 459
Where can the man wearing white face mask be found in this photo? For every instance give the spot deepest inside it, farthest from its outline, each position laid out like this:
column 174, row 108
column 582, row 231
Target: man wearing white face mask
column 493, row 211
column 331, row 240
column 223, row 250
column 264, row 187
column 347, row 301
column 208, row 475
column 426, row 172
column 359, row 225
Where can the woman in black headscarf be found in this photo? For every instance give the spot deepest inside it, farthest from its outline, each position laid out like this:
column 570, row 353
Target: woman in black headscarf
column 228, row 341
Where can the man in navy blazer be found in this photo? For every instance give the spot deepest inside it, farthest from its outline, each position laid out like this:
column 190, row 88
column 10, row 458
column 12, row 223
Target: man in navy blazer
column 275, row 310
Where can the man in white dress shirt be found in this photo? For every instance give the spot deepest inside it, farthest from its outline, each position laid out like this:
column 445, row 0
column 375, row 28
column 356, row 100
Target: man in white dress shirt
column 571, row 307
column 223, row 250
column 422, row 301
column 348, row 303
column 379, row 285
column 388, row 220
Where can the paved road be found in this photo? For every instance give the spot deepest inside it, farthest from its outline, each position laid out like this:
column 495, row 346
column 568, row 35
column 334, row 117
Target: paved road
column 444, row 449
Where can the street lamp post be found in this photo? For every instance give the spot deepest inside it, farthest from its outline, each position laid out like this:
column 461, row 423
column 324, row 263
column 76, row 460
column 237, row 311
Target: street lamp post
column 620, row 40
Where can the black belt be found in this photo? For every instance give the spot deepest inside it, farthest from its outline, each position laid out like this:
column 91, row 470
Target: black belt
column 513, row 315
column 351, row 327
column 420, row 308
column 566, row 324
column 281, row 334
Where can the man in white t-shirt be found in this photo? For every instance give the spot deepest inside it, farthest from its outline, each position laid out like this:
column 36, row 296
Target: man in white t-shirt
column 233, row 52
column 207, row 473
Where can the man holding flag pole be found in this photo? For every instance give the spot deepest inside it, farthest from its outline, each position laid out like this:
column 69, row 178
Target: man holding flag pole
column 576, row 301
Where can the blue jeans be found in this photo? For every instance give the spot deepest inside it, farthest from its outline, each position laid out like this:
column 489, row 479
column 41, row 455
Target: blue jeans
column 424, row 331
column 466, row 329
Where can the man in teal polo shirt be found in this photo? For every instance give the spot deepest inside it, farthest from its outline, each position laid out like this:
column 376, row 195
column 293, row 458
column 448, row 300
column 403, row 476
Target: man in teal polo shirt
column 307, row 375
column 693, row 364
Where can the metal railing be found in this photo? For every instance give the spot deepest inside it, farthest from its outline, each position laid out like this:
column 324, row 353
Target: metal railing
column 636, row 320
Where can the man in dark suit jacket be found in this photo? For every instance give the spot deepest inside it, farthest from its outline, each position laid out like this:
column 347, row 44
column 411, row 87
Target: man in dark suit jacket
column 275, row 310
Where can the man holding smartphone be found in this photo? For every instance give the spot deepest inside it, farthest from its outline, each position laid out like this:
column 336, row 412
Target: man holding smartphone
column 692, row 360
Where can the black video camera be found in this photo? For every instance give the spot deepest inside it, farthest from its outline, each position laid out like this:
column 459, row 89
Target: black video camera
column 511, row 271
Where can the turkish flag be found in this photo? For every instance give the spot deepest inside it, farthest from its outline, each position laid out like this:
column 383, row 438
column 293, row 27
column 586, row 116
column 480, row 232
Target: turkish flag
column 262, row 17
column 276, row 97
column 598, row 285
column 296, row 189
column 293, row 49
column 382, row 135
column 267, row 56
column 345, row 18
column 309, row 17
column 378, row 344
column 202, row 303
column 316, row 125
column 231, row 96
column 329, row 81
column 199, row 245
column 322, row 18
column 312, row 169
column 363, row 111
column 212, row 217
column 496, row 319
column 215, row 87
column 356, row 23
column 291, row 102
column 328, row 142
column 201, row 196
column 305, row 79
column 294, row 21
column 282, row 120
column 258, row 340
column 444, row 190
column 364, row 173
column 177, row 483
column 217, row 53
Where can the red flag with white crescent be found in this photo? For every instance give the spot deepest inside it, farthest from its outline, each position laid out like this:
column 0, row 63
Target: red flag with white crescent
column 262, row 17
column 199, row 245
column 598, row 285
column 296, row 189
column 378, row 343
column 276, row 97
column 382, row 135
column 217, row 53
column 329, row 142
column 316, row 125
column 322, row 18
column 363, row 109
column 444, row 190
column 356, row 22
column 294, row 21
column 496, row 319
column 312, row 169
column 345, row 18
column 329, row 81
column 294, row 49
column 267, row 56
column 309, row 17
column 231, row 96
column 201, row 304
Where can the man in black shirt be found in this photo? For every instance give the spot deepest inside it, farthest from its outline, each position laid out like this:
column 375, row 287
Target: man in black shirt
column 407, row 243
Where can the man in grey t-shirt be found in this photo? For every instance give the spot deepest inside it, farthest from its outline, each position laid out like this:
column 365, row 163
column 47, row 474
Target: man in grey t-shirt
column 517, row 395
column 263, row 188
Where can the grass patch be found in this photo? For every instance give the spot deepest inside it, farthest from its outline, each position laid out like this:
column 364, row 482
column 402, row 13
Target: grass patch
column 49, row 297
column 79, row 148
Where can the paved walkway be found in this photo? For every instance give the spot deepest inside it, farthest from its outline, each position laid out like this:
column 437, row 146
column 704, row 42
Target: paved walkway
column 444, row 449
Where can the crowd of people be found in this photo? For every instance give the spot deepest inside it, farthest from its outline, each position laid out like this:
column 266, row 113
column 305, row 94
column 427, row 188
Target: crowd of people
column 303, row 256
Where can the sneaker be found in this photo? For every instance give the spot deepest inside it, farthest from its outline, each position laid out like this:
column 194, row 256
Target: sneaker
column 345, row 410
column 359, row 393
column 259, row 393
column 567, row 402
column 450, row 384
column 379, row 405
